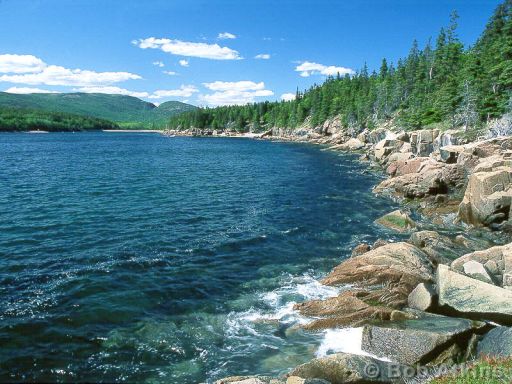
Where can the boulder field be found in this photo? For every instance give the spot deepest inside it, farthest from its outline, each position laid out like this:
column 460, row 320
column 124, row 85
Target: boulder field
column 444, row 295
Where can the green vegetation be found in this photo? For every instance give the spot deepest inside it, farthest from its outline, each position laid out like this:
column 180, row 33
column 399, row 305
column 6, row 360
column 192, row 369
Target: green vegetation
column 15, row 119
column 128, row 111
column 442, row 85
column 485, row 371
column 396, row 221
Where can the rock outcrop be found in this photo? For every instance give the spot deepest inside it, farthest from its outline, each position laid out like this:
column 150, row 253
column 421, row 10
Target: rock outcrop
column 419, row 341
column 496, row 260
column 250, row 380
column 351, row 308
column 471, row 298
column 477, row 271
column 350, row 145
column 396, row 221
column 393, row 263
column 441, row 249
column 384, row 278
column 422, row 298
column 488, row 197
column 342, row 368
column 496, row 344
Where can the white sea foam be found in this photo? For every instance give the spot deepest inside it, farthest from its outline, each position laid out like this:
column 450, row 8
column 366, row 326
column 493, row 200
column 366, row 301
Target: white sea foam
column 347, row 340
column 280, row 303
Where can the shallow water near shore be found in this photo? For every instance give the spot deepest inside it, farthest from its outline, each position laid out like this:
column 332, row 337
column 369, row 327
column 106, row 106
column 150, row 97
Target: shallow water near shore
column 142, row 258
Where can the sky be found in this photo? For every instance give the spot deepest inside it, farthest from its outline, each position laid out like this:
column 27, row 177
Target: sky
column 212, row 52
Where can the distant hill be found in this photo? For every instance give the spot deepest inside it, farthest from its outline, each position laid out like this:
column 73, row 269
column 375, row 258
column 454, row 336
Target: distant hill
column 125, row 110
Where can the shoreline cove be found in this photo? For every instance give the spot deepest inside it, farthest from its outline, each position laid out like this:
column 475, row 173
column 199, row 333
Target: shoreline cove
column 218, row 270
column 299, row 314
column 428, row 173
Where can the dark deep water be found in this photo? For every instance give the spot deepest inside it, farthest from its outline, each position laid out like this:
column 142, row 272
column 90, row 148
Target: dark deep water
column 142, row 258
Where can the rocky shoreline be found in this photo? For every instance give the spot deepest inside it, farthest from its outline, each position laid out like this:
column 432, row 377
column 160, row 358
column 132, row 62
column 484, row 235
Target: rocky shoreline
column 437, row 299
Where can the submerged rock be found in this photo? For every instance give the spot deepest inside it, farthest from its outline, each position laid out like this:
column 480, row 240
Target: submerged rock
column 418, row 341
column 361, row 249
column 250, row 380
column 300, row 380
column 397, row 221
column 343, row 368
column 473, row 298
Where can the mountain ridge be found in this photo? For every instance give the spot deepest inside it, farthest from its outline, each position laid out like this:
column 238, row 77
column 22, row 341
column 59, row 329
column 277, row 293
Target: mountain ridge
column 122, row 109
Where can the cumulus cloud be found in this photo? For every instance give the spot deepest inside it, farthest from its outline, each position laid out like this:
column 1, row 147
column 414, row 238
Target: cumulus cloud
column 188, row 49
column 112, row 91
column 183, row 91
column 159, row 64
column 226, row 35
column 288, row 96
column 244, row 85
column 308, row 68
column 56, row 75
column 183, row 63
column 27, row 90
column 234, row 93
column 20, row 64
column 262, row 56
column 170, row 73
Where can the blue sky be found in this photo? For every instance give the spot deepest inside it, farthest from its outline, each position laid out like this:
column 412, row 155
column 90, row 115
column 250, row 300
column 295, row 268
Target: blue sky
column 204, row 52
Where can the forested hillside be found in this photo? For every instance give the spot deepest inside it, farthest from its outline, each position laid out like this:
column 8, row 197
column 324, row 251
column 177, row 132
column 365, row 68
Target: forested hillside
column 13, row 119
column 126, row 110
column 442, row 84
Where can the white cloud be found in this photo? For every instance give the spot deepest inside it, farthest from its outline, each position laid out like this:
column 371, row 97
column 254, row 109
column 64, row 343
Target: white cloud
column 112, row 91
column 245, row 85
column 226, row 35
column 262, row 56
column 183, row 63
column 56, row 75
column 307, row 69
column 170, row 73
column 27, row 90
column 159, row 64
column 288, row 96
column 189, row 49
column 183, row 91
column 234, row 93
column 21, row 64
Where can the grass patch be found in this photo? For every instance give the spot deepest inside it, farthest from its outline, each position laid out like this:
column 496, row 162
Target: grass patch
column 484, row 371
column 373, row 303
column 396, row 221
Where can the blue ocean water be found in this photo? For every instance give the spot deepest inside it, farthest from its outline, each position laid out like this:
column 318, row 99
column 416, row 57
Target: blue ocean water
column 142, row 258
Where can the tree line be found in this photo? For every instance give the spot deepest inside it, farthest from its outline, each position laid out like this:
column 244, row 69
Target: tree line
column 442, row 84
column 20, row 119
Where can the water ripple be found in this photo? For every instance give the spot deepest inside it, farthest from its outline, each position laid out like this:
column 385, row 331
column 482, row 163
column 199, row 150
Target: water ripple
column 141, row 258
